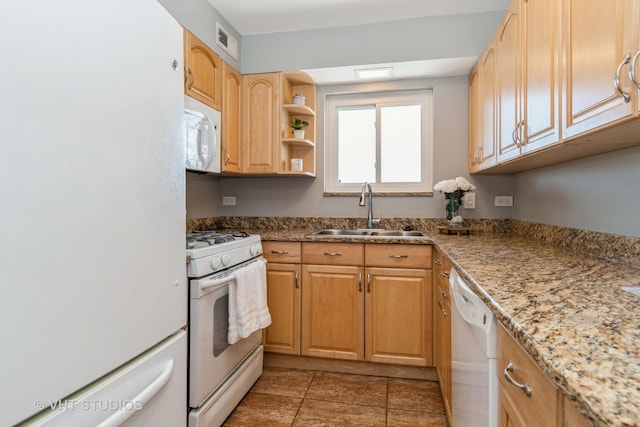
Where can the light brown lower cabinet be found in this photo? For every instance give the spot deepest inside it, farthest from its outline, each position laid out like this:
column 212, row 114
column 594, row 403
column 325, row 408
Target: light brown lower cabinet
column 283, row 297
column 442, row 327
column 333, row 311
column 378, row 313
column 398, row 316
column 526, row 396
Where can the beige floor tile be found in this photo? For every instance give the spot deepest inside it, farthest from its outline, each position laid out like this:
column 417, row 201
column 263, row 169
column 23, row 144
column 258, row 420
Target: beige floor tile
column 257, row 409
column 401, row 418
column 328, row 414
column 284, row 382
column 415, row 395
column 349, row 388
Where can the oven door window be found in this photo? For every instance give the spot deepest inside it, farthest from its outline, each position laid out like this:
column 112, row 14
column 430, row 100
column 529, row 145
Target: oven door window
column 220, row 324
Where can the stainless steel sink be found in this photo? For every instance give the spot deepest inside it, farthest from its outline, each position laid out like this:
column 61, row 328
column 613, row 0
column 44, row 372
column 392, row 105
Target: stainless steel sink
column 398, row 233
column 335, row 232
column 329, row 232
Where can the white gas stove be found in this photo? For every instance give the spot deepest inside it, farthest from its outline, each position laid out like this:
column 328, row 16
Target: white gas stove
column 211, row 251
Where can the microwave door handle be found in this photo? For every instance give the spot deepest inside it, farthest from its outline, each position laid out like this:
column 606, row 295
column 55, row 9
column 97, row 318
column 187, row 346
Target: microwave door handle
column 213, row 144
column 199, row 145
column 216, row 282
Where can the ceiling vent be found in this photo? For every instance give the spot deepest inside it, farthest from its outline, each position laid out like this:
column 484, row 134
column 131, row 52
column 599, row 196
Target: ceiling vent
column 226, row 41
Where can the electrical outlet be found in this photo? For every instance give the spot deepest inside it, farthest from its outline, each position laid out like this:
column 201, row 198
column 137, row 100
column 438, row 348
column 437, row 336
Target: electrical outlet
column 504, row 201
column 469, row 201
column 229, row 201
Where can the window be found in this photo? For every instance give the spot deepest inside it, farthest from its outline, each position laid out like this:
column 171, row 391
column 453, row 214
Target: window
column 384, row 138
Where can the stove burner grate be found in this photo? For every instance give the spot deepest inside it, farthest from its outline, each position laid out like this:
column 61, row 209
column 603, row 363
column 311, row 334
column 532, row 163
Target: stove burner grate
column 212, row 237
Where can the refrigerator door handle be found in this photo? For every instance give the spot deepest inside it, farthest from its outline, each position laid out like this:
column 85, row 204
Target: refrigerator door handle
column 138, row 402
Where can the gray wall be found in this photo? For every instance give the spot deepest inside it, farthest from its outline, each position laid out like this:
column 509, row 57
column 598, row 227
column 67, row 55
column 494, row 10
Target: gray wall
column 299, row 196
column 409, row 40
column 200, row 18
column 597, row 193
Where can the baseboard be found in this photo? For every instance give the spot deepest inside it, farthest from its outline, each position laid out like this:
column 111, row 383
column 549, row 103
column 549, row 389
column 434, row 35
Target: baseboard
column 351, row 367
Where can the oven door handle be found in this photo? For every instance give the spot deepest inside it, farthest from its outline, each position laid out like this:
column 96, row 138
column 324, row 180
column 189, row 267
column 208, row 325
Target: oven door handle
column 217, row 282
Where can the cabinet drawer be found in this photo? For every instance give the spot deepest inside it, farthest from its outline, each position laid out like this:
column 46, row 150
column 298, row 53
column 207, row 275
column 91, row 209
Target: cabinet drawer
column 404, row 256
column 540, row 408
column 332, row 253
column 284, row 252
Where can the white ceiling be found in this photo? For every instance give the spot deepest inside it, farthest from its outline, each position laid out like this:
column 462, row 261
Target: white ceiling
column 250, row 17
column 273, row 16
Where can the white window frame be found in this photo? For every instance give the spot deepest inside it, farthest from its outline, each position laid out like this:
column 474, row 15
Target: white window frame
column 424, row 97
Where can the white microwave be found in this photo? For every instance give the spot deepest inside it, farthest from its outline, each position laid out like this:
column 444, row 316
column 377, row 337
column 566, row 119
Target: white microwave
column 202, row 127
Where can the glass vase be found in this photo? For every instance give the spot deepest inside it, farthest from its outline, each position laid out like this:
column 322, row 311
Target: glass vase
column 453, row 210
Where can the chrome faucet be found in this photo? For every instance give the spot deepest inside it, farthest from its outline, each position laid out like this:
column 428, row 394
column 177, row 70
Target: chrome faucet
column 371, row 221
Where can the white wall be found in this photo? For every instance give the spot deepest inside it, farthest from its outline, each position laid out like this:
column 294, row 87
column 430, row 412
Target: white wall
column 597, row 193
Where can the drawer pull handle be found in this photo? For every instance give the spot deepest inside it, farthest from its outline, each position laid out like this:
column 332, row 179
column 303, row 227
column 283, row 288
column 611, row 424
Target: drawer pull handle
column 279, row 252
column 526, row 388
column 437, row 262
column 333, row 253
column 398, row 256
column 445, row 274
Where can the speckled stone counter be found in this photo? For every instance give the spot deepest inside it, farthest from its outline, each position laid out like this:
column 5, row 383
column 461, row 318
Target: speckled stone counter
column 568, row 311
column 559, row 293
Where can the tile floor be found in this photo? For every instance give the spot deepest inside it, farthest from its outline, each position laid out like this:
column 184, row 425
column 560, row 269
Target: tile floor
column 296, row 397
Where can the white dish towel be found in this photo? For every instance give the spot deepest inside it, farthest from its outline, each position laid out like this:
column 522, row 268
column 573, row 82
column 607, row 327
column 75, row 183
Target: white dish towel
column 248, row 309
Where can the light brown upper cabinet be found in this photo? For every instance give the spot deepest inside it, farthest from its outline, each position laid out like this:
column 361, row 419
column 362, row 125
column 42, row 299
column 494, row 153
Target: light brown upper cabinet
column 298, row 83
column 261, row 123
column 540, row 101
column 203, row 72
column 269, row 144
column 482, row 112
column 564, row 83
column 508, row 63
column 231, row 119
column 600, row 39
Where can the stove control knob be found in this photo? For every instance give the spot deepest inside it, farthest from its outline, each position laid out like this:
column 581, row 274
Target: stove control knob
column 215, row 262
column 226, row 259
column 255, row 249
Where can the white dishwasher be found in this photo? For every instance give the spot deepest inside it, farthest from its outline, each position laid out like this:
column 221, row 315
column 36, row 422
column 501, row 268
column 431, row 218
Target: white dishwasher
column 473, row 358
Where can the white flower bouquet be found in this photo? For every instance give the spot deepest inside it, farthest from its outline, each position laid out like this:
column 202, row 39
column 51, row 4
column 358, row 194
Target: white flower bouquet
column 454, row 190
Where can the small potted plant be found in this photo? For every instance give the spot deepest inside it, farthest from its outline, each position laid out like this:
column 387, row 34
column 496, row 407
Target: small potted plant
column 298, row 126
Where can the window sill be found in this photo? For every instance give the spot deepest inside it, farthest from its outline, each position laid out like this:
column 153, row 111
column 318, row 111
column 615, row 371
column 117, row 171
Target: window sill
column 381, row 193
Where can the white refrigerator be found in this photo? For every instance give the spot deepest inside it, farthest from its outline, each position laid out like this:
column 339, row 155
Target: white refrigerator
column 93, row 296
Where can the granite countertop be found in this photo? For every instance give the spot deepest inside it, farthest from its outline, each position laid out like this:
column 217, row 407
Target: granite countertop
column 566, row 309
